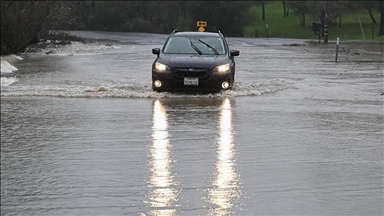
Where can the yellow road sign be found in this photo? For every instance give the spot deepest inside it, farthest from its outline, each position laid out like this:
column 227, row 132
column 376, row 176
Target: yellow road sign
column 201, row 29
column 201, row 23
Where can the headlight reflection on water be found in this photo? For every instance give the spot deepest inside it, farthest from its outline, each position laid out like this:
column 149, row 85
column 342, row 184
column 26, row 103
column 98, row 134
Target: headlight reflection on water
column 225, row 186
column 163, row 193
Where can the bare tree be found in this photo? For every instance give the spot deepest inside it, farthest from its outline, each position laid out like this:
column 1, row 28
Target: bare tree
column 300, row 8
column 370, row 6
column 21, row 23
column 381, row 8
column 285, row 8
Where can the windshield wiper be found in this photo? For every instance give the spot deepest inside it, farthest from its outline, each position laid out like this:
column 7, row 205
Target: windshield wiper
column 194, row 47
column 213, row 49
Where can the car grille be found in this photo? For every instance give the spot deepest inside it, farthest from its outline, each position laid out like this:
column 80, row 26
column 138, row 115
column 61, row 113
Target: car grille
column 195, row 72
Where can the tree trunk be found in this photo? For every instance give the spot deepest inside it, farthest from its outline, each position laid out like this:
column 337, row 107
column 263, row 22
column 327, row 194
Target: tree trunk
column 284, row 9
column 263, row 10
column 372, row 18
column 381, row 31
column 302, row 18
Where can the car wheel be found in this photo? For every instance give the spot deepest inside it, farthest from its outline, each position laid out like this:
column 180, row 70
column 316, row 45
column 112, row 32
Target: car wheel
column 156, row 89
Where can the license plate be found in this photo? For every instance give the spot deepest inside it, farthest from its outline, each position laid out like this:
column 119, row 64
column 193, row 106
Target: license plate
column 191, row 81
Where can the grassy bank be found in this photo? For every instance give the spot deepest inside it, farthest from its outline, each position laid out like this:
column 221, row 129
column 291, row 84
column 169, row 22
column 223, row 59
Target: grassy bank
column 289, row 27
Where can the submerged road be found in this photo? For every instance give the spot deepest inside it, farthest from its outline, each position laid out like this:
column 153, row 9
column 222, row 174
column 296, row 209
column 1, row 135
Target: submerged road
column 82, row 133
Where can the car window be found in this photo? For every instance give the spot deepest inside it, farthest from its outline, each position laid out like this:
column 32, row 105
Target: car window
column 205, row 45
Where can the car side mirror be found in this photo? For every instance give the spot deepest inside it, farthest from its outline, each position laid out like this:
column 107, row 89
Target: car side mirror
column 156, row 51
column 235, row 53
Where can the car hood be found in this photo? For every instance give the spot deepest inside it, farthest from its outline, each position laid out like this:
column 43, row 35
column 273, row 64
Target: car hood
column 193, row 61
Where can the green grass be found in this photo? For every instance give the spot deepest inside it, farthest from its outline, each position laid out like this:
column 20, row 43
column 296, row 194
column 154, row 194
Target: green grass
column 289, row 27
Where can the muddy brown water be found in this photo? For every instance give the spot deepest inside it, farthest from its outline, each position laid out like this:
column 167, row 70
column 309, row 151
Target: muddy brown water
column 298, row 135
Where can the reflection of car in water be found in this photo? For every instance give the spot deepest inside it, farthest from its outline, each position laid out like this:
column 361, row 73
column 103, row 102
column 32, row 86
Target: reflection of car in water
column 194, row 61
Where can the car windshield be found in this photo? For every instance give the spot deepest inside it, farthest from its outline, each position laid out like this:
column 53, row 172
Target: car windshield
column 195, row 45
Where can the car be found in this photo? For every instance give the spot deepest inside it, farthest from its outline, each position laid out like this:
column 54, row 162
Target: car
column 194, row 61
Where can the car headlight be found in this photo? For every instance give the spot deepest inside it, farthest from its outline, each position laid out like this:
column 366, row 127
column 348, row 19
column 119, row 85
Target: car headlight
column 223, row 68
column 161, row 67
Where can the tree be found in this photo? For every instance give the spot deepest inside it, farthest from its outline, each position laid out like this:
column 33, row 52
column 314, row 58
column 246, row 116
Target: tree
column 263, row 9
column 381, row 8
column 299, row 9
column 285, row 8
column 375, row 5
column 218, row 15
column 341, row 8
column 262, row 3
column 21, row 23
column 371, row 6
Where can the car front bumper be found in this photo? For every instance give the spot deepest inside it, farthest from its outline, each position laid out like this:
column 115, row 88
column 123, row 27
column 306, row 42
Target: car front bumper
column 210, row 81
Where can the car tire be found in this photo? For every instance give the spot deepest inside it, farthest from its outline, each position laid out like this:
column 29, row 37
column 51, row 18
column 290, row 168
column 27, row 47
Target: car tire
column 156, row 90
column 232, row 81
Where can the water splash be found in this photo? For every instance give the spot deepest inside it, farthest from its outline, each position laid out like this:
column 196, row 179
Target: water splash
column 73, row 49
column 140, row 90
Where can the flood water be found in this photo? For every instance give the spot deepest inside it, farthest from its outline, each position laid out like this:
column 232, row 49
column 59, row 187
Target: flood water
column 82, row 133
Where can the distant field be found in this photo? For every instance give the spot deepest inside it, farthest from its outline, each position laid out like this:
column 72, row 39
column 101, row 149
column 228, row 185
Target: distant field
column 289, row 27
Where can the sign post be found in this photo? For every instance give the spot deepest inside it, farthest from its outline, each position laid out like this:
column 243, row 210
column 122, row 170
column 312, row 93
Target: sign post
column 316, row 27
column 337, row 48
column 201, row 24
